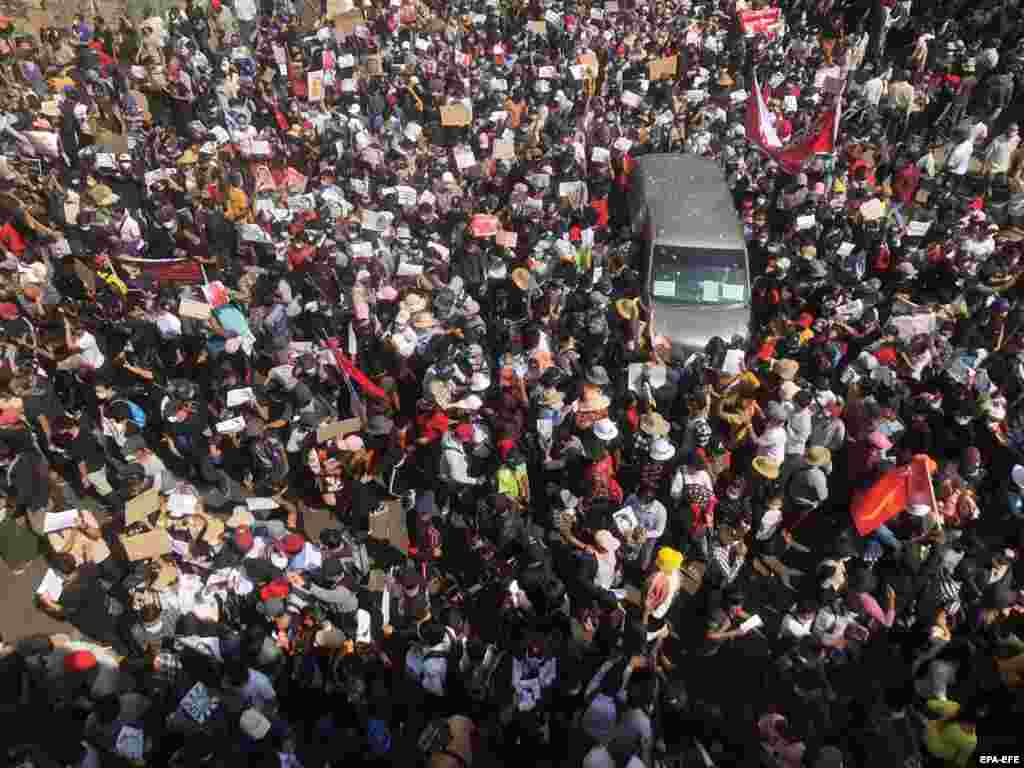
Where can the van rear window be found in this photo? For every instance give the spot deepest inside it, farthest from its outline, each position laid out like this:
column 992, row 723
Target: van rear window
column 698, row 276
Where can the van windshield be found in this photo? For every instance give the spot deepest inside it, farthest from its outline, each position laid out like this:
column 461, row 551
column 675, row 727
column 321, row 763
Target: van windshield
column 681, row 275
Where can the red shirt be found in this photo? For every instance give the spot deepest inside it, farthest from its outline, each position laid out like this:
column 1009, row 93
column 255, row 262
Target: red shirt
column 12, row 239
column 432, row 426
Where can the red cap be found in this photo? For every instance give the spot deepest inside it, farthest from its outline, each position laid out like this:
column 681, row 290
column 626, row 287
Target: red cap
column 806, row 320
column 505, row 447
column 464, row 433
column 767, row 351
column 886, row 355
column 292, row 544
column 279, row 590
column 79, row 661
column 8, row 311
column 243, row 539
column 8, row 417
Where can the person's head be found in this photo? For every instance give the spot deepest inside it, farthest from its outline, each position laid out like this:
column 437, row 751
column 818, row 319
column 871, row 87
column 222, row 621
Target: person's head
column 64, row 563
column 802, row 399
column 774, row 502
column 236, row 674
column 107, row 708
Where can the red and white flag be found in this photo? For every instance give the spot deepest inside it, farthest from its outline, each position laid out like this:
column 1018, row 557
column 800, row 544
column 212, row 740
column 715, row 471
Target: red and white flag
column 760, row 123
column 761, row 132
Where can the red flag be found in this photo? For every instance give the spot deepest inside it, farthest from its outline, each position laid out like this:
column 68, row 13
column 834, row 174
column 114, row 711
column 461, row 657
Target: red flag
column 360, row 378
column 894, row 492
column 759, row 127
column 821, row 142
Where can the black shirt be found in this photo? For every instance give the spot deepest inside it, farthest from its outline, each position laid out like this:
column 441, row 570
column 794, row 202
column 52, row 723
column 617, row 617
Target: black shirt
column 86, row 448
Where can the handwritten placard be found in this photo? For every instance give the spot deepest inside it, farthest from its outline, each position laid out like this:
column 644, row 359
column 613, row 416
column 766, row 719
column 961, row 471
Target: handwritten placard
column 663, row 68
column 464, row 158
column 197, row 310
column 484, row 225
column 918, row 228
column 455, row 116
column 504, row 150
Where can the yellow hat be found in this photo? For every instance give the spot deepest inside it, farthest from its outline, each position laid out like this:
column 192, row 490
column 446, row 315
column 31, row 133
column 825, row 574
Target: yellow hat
column 766, row 467
column 839, row 186
column 669, row 559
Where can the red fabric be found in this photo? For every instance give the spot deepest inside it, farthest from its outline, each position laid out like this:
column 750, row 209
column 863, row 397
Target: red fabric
column 601, row 206
column 12, row 239
column 892, row 494
column 822, row 141
column 354, row 373
column 279, row 589
column 886, row 356
column 79, row 661
column 767, row 351
column 432, row 426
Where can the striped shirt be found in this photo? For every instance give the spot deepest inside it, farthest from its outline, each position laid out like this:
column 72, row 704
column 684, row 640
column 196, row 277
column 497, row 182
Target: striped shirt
column 724, row 568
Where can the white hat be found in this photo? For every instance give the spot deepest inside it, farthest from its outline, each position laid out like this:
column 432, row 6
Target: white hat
column 254, row 724
column 788, row 390
column 480, row 382
column 1017, row 473
column 869, row 361
column 447, row 178
column 605, row 430
column 569, row 501
column 919, row 510
column 662, row 450
column 469, row 403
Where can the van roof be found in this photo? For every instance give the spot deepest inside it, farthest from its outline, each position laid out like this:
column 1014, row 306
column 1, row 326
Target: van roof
column 689, row 200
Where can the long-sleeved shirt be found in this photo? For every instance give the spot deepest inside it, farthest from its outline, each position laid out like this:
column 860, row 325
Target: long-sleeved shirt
column 808, row 486
column 772, row 444
column 798, row 431
column 999, row 153
column 652, row 516
column 340, row 597
column 871, row 607
column 454, row 465
column 724, row 566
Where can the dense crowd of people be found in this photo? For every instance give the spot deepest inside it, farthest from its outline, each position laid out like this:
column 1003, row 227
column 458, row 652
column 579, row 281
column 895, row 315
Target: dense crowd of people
column 268, row 263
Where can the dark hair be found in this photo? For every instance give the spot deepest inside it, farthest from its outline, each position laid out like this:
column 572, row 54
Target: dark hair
column 236, row 674
column 108, row 708
column 120, row 411
column 65, row 563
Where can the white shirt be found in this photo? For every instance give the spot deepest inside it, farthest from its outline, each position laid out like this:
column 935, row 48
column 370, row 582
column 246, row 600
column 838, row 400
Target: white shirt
column 960, row 158
column 90, row 351
column 129, row 229
column 245, row 10
column 999, row 152
column 873, row 90
column 772, row 444
column 169, row 325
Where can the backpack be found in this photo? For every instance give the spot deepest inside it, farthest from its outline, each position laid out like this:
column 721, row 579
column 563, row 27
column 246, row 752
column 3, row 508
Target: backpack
column 426, row 676
column 271, row 459
column 480, row 684
column 135, row 413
